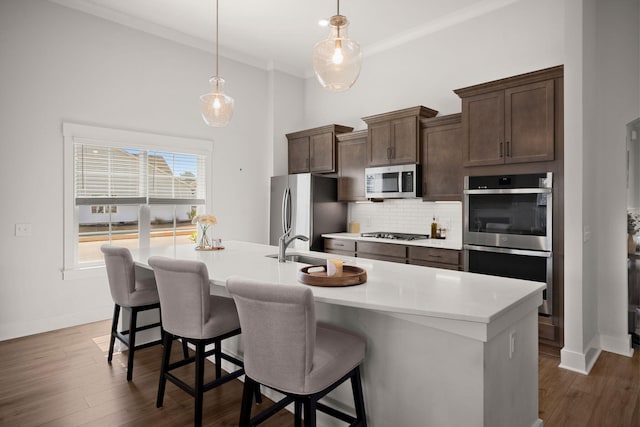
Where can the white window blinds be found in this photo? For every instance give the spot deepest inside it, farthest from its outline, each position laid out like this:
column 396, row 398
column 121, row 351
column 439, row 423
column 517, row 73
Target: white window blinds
column 112, row 175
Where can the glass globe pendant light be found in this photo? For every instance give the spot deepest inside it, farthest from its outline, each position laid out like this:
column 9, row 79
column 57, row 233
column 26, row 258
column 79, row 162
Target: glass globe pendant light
column 216, row 107
column 337, row 59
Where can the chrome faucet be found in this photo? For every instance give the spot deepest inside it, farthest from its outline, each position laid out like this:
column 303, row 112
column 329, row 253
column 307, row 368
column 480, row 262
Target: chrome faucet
column 283, row 243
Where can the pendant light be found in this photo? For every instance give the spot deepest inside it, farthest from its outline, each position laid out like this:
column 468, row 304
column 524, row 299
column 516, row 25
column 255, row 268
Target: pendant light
column 216, row 107
column 337, row 59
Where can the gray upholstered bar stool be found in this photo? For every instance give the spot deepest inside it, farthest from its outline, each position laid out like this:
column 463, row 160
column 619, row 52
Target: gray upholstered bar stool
column 190, row 312
column 130, row 292
column 286, row 350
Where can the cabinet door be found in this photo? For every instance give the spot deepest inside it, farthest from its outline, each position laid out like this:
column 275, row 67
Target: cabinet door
column 483, row 128
column 322, row 154
column 420, row 255
column 340, row 247
column 382, row 251
column 299, row 155
column 379, row 140
column 442, row 172
column 529, row 123
column 404, row 140
column 352, row 159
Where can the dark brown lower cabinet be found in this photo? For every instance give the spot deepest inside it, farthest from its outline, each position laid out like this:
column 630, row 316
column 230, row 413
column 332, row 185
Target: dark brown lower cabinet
column 340, row 247
column 382, row 251
column 449, row 259
column 435, row 257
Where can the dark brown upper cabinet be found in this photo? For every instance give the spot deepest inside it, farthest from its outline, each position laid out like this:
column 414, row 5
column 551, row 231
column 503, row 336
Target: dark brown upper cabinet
column 314, row 150
column 393, row 138
column 441, row 158
column 510, row 120
column 352, row 159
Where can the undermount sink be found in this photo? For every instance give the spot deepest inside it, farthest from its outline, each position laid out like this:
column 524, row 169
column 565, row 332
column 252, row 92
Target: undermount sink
column 301, row 258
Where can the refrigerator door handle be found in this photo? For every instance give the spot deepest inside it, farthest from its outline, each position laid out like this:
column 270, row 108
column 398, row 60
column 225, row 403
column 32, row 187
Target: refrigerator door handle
column 286, row 211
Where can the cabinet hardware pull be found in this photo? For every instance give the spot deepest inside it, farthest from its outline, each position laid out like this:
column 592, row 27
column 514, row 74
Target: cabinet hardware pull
column 508, row 143
column 500, row 151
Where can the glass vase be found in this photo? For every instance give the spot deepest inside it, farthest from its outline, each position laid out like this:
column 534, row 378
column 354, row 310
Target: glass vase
column 204, row 238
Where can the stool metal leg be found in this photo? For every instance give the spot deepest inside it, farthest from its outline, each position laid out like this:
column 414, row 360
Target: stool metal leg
column 114, row 331
column 247, row 400
column 297, row 413
column 218, row 358
column 199, row 388
column 166, row 356
column 132, row 342
column 358, row 397
column 185, row 348
column 309, row 412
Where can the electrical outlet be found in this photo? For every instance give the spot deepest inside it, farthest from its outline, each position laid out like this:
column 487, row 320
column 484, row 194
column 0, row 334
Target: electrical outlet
column 23, row 230
column 512, row 344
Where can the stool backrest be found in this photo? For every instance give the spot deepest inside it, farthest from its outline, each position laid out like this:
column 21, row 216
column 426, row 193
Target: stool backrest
column 183, row 288
column 121, row 273
column 278, row 325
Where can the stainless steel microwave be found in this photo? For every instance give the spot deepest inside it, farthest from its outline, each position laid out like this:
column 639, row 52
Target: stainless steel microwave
column 393, row 182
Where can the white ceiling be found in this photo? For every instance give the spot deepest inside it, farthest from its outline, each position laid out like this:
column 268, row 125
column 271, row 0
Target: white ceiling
column 281, row 33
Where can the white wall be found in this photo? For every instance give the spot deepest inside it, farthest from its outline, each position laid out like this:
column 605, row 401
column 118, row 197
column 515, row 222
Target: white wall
column 288, row 116
column 602, row 69
column 522, row 37
column 618, row 96
column 573, row 355
column 59, row 65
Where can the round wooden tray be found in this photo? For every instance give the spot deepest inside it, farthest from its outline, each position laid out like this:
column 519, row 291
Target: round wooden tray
column 351, row 275
column 219, row 248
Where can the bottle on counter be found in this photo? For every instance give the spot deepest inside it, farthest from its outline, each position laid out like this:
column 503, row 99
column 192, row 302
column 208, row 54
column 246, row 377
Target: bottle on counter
column 434, row 228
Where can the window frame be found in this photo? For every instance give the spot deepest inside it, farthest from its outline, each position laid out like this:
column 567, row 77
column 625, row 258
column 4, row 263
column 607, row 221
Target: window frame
column 117, row 138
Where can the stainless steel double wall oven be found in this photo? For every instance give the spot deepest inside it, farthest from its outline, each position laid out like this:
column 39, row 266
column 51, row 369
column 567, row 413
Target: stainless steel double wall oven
column 508, row 228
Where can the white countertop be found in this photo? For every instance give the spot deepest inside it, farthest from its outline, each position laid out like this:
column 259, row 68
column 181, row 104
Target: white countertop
column 432, row 243
column 391, row 287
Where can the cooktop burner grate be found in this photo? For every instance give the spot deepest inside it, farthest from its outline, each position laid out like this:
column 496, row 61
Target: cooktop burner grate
column 395, row 236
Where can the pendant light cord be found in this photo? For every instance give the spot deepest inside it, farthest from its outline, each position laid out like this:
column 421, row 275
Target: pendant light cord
column 337, row 14
column 217, row 37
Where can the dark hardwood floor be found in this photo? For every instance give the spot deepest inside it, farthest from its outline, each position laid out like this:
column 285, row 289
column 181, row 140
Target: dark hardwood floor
column 62, row 378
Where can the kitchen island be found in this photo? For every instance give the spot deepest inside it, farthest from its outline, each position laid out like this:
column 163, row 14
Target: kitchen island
column 444, row 348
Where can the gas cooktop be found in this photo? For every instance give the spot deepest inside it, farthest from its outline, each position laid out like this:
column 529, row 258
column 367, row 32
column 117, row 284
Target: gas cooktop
column 395, row 236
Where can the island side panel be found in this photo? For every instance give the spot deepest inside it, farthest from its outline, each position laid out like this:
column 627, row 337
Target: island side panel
column 511, row 375
column 413, row 375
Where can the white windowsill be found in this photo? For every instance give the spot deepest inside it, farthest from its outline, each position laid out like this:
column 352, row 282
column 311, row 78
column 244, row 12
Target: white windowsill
column 83, row 273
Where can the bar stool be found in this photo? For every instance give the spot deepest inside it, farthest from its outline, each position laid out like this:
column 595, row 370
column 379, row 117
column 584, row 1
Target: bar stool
column 191, row 313
column 131, row 292
column 286, row 350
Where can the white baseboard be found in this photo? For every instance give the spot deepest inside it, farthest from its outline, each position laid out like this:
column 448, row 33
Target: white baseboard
column 22, row 328
column 619, row 345
column 581, row 362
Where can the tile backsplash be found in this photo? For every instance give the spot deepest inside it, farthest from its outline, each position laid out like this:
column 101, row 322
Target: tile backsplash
column 409, row 216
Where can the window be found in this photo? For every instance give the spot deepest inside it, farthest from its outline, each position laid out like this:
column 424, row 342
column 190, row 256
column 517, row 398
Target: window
column 131, row 189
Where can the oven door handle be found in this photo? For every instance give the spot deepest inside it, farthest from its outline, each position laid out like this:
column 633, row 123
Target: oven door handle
column 542, row 254
column 509, row 191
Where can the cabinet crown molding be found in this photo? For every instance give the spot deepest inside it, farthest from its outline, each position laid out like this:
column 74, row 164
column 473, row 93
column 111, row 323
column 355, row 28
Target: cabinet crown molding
column 350, row 136
column 449, row 119
column 519, row 80
column 336, row 129
column 419, row 111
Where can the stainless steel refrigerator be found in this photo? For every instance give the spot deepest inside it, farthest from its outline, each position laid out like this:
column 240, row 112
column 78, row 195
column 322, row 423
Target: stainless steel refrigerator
column 309, row 203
